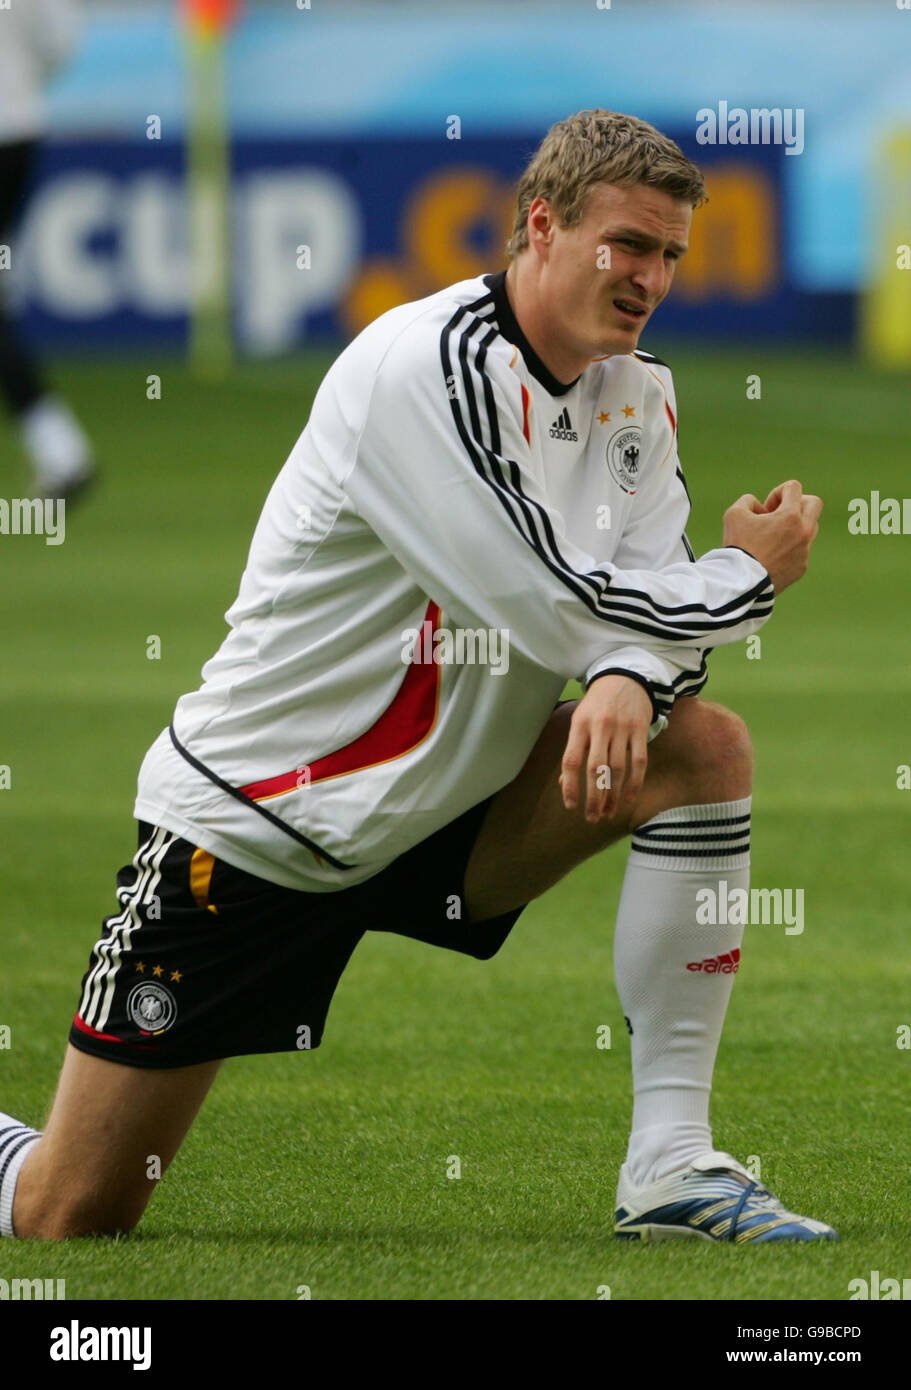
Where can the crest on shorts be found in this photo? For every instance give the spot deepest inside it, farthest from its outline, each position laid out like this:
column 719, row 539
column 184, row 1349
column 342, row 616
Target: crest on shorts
column 624, row 450
column 151, row 1007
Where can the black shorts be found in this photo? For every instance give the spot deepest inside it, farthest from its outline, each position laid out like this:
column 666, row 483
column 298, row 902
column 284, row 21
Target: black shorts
column 206, row 961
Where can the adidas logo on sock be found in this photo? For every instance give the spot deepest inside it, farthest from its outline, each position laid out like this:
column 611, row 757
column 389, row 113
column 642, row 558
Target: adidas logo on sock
column 726, row 964
column 562, row 428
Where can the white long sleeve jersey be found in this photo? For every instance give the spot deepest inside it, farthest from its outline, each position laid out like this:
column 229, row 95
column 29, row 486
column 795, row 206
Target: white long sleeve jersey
column 454, row 534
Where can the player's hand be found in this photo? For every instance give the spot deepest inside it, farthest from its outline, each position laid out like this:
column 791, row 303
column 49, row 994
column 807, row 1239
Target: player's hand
column 777, row 532
column 607, row 744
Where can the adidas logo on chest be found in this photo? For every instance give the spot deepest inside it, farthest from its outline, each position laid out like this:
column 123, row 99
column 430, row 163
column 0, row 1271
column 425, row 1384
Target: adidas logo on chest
column 562, row 428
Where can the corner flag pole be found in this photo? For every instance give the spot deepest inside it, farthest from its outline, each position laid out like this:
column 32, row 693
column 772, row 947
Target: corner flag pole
column 886, row 302
column 208, row 186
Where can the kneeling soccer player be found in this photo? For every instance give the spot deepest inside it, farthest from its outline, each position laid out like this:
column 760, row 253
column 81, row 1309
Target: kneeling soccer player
column 347, row 764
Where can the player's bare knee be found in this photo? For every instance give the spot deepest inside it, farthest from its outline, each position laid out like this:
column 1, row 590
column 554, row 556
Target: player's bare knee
column 53, row 1205
column 79, row 1228
column 727, row 733
column 724, row 756
column 709, row 749
column 80, row 1214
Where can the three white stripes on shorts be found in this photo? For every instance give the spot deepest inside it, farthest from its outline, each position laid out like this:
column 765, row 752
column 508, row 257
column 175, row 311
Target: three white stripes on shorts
column 99, row 986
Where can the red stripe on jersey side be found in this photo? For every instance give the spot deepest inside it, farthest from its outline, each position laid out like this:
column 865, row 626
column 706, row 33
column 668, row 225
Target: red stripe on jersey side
column 670, row 415
column 525, row 404
column 404, row 724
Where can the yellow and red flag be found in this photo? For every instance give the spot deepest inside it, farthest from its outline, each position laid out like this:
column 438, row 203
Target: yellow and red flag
column 209, row 17
column 209, row 182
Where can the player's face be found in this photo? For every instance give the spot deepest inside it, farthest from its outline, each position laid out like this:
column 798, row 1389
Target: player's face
column 603, row 301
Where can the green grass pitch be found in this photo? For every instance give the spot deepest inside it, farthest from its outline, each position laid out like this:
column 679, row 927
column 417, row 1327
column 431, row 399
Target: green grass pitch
column 329, row 1169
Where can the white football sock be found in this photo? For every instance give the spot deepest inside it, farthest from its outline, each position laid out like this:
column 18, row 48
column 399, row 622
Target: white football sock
column 674, row 976
column 16, row 1140
column 56, row 443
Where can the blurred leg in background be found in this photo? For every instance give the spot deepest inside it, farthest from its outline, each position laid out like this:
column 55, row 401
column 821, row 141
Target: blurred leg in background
column 53, row 439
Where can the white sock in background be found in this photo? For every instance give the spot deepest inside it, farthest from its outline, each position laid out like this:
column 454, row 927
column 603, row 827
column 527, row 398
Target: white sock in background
column 57, row 445
column 674, row 976
column 16, row 1140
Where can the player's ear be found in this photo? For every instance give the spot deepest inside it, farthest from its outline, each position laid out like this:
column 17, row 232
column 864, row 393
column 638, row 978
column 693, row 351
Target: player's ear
column 541, row 221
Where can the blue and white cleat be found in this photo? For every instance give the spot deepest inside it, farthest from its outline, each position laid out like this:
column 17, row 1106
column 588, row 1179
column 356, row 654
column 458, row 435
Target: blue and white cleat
column 713, row 1199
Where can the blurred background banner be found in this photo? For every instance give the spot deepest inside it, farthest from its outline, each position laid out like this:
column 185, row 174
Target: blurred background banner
column 374, row 149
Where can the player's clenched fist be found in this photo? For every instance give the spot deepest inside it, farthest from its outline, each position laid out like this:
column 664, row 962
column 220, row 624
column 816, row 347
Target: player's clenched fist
column 778, row 532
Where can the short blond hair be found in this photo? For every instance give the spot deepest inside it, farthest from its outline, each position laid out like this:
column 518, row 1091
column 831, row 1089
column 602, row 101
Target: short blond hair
column 594, row 147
